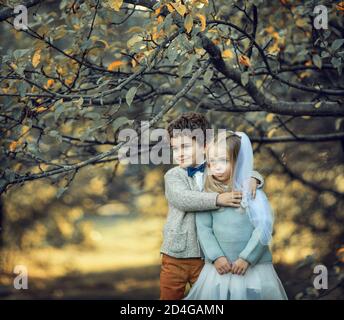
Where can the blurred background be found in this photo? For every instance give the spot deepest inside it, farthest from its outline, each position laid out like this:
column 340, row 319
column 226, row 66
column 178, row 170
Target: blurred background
column 102, row 238
column 97, row 234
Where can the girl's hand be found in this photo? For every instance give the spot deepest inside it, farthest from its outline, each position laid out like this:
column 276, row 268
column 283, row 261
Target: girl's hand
column 222, row 265
column 240, row 266
column 253, row 186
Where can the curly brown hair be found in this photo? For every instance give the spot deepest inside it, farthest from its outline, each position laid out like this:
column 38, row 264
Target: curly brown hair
column 190, row 121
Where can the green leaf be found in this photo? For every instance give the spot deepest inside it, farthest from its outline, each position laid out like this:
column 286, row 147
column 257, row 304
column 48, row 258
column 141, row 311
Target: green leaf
column 59, row 108
column 129, row 97
column 245, row 78
column 20, row 53
column 55, row 134
column 337, row 44
column 317, row 61
column 318, row 105
column 60, row 192
column 119, row 122
column 336, row 62
column 208, row 75
column 79, row 102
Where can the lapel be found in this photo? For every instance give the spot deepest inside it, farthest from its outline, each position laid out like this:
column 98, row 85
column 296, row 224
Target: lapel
column 191, row 181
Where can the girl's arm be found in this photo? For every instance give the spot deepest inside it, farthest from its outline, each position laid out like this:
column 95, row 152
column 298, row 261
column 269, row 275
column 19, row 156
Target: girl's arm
column 206, row 237
column 261, row 217
column 254, row 249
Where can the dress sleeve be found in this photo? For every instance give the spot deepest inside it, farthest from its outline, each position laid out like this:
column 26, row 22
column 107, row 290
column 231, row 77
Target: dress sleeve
column 206, row 237
column 254, row 249
column 259, row 177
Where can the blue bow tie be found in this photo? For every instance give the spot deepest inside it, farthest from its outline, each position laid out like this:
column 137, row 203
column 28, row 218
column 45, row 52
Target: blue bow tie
column 193, row 170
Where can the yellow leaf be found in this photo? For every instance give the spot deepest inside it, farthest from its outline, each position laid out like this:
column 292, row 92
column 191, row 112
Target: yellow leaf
column 49, row 84
column 271, row 132
column 40, row 109
column 13, row 145
column 227, row 54
column 244, row 60
column 61, row 71
column 115, row 65
column 134, row 39
column 340, row 6
column 115, row 4
column 200, row 51
column 270, row 29
column 5, row 90
column 301, row 22
column 160, row 19
column 274, row 48
column 13, row 66
column 318, row 105
column 24, row 130
column 188, row 23
column 181, row 9
column 270, row 117
column 69, row 81
column 157, row 11
column 95, row 38
column 305, row 74
column 60, row 32
column 36, row 58
column 135, row 30
column 203, row 21
column 170, row 8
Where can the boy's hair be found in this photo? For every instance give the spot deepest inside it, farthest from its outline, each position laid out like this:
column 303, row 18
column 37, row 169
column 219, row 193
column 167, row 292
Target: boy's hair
column 190, row 121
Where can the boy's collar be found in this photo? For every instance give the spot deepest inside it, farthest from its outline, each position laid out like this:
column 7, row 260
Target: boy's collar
column 192, row 170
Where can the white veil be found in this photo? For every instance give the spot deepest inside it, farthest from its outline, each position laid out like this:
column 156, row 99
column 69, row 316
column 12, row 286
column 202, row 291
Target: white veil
column 259, row 210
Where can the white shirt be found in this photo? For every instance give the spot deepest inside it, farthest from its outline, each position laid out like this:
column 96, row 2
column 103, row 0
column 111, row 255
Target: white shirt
column 199, row 176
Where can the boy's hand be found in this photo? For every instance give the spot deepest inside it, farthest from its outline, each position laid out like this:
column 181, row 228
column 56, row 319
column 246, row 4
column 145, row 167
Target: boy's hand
column 253, row 186
column 222, row 265
column 229, row 199
column 240, row 266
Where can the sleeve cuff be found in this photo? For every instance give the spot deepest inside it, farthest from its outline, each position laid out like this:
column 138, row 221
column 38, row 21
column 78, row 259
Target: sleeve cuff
column 259, row 177
column 247, row 258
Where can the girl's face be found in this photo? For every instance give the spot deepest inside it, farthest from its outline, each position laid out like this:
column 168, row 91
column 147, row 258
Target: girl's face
column 218, row 163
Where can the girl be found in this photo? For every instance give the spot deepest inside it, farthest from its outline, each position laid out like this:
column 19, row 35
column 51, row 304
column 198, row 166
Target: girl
column 234, row 241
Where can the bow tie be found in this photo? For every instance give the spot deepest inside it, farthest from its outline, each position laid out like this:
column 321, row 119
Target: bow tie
column 193, row 170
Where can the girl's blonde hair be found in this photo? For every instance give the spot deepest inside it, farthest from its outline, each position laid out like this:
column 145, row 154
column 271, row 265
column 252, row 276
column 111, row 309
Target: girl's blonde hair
column 233, row 143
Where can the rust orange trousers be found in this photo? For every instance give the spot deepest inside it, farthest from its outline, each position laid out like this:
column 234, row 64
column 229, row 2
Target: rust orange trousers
column 175, row 273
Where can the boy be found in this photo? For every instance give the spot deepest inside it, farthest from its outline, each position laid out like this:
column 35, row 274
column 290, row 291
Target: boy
column 181, row 253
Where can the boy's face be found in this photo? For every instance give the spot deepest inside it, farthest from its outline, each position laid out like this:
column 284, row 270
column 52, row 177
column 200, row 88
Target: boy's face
column 187, row 152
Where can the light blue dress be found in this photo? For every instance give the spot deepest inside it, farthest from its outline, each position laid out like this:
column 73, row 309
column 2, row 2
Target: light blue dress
column 229, row 232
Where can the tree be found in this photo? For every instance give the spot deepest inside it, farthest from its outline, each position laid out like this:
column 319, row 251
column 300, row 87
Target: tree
column 80, row 81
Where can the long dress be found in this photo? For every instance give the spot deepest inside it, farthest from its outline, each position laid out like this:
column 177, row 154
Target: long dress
column 228, row 232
